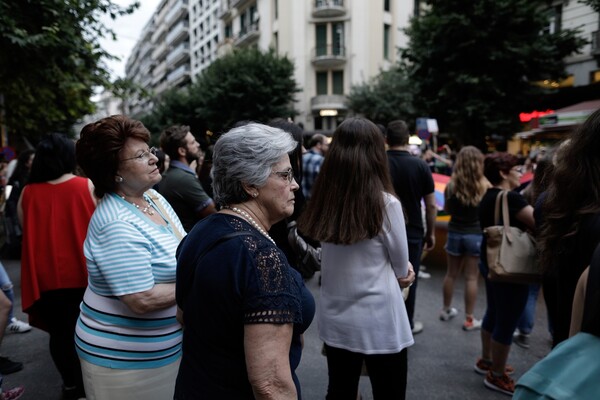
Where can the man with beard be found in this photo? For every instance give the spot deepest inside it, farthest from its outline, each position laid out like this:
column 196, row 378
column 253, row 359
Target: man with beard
column 180, row 185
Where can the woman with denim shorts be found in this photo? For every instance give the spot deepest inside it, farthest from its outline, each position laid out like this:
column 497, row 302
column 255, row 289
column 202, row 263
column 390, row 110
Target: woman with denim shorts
column 462, row 196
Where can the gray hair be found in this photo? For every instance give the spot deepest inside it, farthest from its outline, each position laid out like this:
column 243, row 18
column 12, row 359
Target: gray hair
column 246, row 154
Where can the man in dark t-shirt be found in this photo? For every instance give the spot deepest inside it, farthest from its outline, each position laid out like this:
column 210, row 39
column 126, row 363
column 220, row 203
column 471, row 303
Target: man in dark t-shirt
column 412, row 182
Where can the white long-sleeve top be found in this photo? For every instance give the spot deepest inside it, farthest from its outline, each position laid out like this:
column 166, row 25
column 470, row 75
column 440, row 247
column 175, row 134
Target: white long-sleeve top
column 361, row 307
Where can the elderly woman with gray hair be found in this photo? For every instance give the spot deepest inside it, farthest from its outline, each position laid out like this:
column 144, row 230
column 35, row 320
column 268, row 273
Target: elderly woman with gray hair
column 243, row 307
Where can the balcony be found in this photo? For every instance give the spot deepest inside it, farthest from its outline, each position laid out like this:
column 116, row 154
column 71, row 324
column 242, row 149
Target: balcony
column 248, row 34
column 158, row 34
column 179, row 53
column 160, row 51
column 596, row 45
column 328, row 102
column 226, row 11
column 328, row 8
column 178, row 75
column 178, row 32
column 146, row 48
column 239, row 3
column 179, row 9
column 329, row 56
column 158, row 73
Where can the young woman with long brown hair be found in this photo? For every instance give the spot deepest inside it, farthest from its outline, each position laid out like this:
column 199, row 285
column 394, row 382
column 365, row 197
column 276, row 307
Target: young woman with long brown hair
column 359, row 221
column 462, row 196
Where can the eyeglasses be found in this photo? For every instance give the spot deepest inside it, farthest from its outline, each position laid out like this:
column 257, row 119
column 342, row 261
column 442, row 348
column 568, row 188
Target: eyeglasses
column 144, row 156
column 288, row 174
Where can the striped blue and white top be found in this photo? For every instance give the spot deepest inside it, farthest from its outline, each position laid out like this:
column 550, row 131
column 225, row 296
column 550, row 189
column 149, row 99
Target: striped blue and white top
column 127, row 253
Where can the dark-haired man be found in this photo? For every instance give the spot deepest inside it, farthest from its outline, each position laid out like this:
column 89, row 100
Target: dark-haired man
column 180, row 185
column 412, row 182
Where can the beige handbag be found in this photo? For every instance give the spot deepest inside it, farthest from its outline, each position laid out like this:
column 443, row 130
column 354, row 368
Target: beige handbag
column 511, row 252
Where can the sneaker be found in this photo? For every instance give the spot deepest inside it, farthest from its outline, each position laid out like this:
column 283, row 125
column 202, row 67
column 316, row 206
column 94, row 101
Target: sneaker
column 471, row 324
column 482, row 367
column 8, row 366
column 12, row 394
column 503, row 384
column 521, row 339
column 424, row 275
column 417, row 327
column 17, row 326
column 448, row 314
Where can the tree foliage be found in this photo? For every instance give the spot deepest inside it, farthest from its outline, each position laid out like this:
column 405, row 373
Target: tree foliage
column 473, row 67
column 386, row 97
column 246, row 84
column 50, row 61
column 595, row 4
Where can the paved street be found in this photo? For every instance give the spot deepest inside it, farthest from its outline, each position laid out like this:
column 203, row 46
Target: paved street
column 440, row 362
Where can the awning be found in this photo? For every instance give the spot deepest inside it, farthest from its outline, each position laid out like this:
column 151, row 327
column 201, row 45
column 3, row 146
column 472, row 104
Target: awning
column 571, row 115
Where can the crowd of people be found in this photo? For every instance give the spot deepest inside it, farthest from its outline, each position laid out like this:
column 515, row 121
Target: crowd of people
column 180, row 272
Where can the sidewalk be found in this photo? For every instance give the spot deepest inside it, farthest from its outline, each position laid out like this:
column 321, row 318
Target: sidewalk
column 440, row 363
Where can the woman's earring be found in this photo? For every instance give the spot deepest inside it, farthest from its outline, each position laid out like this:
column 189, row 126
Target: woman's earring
column 255, row 194
column 119, row 179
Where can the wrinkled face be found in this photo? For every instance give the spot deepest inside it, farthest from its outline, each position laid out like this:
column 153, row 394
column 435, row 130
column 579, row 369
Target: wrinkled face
column 276, row 197
column 137, row 167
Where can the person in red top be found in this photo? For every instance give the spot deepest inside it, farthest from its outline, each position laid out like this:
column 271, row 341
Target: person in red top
column 55, row 208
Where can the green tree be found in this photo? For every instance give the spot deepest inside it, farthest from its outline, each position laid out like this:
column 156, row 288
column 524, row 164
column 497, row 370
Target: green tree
column 124, row 89
column 246, row 84
column 473, row 67
column 386, row 97
column 50, row 61
column 595, row 4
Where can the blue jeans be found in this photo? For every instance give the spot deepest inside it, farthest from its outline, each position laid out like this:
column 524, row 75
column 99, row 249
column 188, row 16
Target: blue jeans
column 528, row 317
column 7, row 288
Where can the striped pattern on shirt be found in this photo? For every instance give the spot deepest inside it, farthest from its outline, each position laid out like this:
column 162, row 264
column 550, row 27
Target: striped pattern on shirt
column 127, row 253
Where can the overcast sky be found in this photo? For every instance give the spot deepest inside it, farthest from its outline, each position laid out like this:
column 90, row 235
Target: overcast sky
column 128, row 29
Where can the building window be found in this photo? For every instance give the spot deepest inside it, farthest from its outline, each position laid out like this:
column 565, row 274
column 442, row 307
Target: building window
column 386, row 5
column 228, row 30
column 321, row 39
column 276, row 41
column 338, row 38
column 337, row 78
column 276, row 8
column 386, row 41
column 554, row 20
column 321, row 83
column 595, row 76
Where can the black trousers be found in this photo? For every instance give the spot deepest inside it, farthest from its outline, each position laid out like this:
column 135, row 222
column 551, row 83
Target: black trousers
column 387, row 373
column 59, row 310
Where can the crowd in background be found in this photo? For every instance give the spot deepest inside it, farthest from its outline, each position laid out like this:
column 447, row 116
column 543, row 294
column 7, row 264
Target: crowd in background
column 165, row 273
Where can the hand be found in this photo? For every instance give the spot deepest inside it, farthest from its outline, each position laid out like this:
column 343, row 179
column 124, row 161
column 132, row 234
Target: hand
column 409, row 279
column 429, row 243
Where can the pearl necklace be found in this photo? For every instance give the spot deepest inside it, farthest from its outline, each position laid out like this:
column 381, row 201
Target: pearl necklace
column 251, row 220
column 147, row 208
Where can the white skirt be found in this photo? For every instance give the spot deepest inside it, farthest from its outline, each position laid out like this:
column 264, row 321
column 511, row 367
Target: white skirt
column 103, row 383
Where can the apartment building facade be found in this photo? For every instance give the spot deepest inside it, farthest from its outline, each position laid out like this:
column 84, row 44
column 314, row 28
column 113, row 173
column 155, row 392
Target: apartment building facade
column 334, row 45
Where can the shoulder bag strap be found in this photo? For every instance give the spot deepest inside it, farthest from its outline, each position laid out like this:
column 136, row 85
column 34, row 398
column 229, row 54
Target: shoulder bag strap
column 505, row 215
column 497, row 208
column 164, row 212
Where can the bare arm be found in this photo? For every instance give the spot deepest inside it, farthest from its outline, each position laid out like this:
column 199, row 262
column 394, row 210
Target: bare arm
column 525, row 215
column 578, row 303
column 430, row 215
column 20, row 206
column 161, row 296
column 267, row 348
